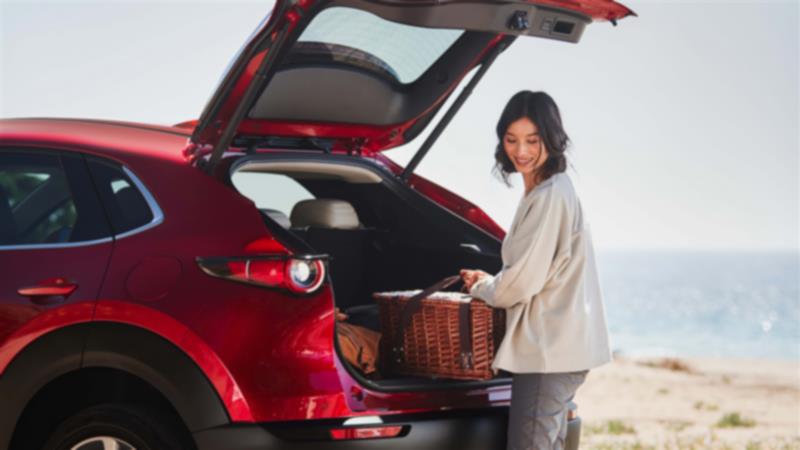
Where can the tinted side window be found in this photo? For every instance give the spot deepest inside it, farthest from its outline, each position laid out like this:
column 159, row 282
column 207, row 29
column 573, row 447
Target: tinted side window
column 126, row 206
column 45, row 198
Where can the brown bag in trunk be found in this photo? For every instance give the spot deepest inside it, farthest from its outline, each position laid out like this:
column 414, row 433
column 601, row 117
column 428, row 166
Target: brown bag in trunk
column 359, row 345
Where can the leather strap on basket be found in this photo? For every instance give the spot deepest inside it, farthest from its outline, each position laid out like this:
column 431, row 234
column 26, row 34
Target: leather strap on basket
column 464, row 323
column 415, row 303
column 465, row 335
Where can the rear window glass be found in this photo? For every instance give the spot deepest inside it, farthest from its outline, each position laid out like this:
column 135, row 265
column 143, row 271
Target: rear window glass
column 126, row 206
column 352, row 66
column 403, row 51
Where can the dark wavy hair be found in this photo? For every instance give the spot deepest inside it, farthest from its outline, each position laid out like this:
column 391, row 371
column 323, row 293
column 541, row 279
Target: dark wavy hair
column 540, row 108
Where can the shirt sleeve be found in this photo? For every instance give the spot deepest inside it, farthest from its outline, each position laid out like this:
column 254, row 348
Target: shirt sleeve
column 518, row 281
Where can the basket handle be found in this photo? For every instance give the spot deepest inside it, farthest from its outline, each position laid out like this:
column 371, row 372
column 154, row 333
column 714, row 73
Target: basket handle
column 465, row 332
column 415, row 303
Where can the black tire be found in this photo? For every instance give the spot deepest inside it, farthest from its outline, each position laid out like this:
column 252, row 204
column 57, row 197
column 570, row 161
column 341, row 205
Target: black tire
column 139, row 428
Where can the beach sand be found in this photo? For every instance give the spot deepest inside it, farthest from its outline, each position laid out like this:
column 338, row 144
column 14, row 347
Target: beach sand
column 691, row 403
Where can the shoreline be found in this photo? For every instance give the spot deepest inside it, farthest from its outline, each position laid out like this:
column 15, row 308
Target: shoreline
column 691, row 402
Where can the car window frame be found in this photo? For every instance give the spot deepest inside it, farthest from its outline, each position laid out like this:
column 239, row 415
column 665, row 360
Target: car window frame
column 155, row 208
column 157, row 212
column 60, row 154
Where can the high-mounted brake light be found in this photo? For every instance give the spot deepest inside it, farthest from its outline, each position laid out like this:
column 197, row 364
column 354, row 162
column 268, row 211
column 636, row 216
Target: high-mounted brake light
column 298, row 274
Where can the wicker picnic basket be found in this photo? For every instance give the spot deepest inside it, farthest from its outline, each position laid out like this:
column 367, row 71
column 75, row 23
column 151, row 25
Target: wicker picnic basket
column 438, row 334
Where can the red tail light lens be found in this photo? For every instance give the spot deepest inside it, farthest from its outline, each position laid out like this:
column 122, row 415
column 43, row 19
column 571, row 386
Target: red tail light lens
column 298, row 274
column 366, row 432
column 266, row 272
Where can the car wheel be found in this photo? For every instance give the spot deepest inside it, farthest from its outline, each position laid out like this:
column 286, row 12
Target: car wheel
column 115, row 427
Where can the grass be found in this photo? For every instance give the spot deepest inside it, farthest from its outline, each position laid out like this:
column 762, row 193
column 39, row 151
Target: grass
column 673, row 364
column 677, row 425
column 701, row 405
column 614, row 427
column 758, row 445
column 621, row 446
column 619, row 427
column 735, row 420
column 694, row 439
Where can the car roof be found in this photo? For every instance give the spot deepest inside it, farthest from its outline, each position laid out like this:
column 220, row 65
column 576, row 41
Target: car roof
column 115, row 139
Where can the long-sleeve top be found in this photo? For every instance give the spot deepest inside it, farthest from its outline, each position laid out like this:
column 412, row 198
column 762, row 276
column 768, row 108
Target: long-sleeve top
column 549, row 286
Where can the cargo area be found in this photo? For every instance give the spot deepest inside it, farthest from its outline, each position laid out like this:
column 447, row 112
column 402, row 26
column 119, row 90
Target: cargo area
column 381, row 234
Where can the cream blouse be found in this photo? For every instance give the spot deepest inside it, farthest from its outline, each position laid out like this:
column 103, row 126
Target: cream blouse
column 549, row 286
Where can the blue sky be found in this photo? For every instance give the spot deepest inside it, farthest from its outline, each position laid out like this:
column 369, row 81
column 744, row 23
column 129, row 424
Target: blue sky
column 684, row 121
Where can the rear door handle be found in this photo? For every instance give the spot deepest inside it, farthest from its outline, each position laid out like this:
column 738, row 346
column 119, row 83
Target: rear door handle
column 49, row 291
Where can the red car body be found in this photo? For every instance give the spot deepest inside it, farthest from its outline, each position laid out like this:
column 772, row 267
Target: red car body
column 237, row 365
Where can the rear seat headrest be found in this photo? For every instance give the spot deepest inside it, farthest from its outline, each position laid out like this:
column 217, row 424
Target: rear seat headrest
column 324, row 213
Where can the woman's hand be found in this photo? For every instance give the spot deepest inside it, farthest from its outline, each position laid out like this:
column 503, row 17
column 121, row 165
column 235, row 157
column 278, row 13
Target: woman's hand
column 471, row 277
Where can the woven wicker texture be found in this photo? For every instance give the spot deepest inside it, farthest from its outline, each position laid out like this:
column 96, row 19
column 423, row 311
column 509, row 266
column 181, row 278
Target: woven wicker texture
column 430, row 346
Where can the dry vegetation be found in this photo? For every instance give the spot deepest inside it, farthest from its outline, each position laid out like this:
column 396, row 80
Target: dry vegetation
column 694, row 404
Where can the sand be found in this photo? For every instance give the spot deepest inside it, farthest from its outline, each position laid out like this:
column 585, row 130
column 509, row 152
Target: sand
column 685, row 403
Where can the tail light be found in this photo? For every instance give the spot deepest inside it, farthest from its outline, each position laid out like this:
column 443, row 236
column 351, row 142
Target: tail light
column 298, row 274
column 304, row 275
column 366, row 432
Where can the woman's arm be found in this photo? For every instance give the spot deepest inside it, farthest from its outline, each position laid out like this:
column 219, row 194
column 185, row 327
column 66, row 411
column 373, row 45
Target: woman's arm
column 524, row 277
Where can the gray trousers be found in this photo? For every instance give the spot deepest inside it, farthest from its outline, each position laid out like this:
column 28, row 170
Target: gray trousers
column 538, row 415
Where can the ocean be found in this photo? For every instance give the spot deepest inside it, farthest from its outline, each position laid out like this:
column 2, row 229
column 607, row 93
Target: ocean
column 702, row 304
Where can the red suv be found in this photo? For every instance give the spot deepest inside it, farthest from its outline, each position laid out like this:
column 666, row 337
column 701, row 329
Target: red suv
column 175, row 287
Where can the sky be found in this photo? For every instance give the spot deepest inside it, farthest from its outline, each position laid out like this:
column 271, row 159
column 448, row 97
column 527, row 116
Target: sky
column 683, row 121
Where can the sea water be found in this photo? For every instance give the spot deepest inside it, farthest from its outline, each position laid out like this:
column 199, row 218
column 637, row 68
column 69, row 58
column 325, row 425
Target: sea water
column 718, row 304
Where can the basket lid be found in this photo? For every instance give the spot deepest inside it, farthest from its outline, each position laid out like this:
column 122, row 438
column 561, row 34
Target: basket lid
column 439, row 295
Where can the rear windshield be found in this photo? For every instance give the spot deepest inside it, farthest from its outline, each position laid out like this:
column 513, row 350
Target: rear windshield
column 352, row 66
column 404, row 51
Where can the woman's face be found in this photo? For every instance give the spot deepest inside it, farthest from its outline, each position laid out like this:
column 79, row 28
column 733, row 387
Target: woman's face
column 524, row 146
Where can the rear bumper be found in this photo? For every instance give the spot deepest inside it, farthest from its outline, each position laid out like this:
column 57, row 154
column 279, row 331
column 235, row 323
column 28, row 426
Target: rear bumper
column 472, row 430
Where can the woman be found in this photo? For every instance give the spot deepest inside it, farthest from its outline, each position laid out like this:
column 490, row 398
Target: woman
column 549, row 287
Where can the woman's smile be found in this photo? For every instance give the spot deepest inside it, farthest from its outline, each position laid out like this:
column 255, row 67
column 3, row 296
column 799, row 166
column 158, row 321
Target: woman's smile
column 525, row 148
column 523, row 161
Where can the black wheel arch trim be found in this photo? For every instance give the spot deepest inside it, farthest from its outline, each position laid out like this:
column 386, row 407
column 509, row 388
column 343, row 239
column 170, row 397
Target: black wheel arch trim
column 132, row 349
column 43, row 360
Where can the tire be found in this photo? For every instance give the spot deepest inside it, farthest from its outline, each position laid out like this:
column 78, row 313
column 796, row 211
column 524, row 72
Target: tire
column 129, row 427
